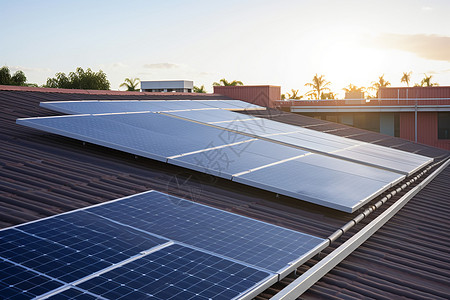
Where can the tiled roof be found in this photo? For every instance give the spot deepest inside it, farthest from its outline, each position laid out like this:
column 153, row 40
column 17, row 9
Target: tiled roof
column 43, row 174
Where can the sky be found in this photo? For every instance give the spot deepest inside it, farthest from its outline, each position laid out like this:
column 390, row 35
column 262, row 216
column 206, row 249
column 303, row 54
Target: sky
column 280, row 42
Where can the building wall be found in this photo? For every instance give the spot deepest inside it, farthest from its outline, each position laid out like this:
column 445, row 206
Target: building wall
column 415, row 92
column 263, row 95
column 427, row 129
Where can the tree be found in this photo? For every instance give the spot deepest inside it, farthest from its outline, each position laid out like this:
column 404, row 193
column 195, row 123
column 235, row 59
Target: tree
column 406, row 77
column 328, row 96
column 79, row 79
column 200, row 89
column 354, row 88
column 18, row 78
column 224, row 82
column 131, row 84
column 318, row 85
column 293, row 95
column 426, row 81
column 376, row 85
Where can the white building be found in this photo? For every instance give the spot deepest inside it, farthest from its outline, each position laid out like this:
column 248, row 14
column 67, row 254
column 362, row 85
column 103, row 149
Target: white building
column 182, row 86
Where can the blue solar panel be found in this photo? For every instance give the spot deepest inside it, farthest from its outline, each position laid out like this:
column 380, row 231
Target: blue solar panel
column 70, row 246
column 74, row 294
column 176, row 272
column 247, row 240
column 17, row 282
column 146, row 244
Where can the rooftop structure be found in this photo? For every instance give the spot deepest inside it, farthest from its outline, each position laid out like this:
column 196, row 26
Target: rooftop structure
column 44, row 174
column 179, row 86
column 419, row 114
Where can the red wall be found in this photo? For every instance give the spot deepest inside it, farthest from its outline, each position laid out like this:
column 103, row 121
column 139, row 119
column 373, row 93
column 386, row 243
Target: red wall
column 415, row 92
column 263, row 95
column 427, row 131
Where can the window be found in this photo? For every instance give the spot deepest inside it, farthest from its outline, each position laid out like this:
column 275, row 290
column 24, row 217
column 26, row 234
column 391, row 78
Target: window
column 443, row 125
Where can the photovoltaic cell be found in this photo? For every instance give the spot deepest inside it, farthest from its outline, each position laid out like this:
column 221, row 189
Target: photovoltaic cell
column 69, row 247
column 17, row 282
column 247, row 240
column 74, row 294
column 176, row 272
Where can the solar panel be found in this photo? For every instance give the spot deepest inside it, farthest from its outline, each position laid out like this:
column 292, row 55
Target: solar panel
column 150, row 135
column 69, row 247
column 336, row 184
column 146, row 245
column 116, row 106
column 383, row 157
column 228, row 161
column 17, row 282
column 176, row 272
column 211, row 229
column 228, row 154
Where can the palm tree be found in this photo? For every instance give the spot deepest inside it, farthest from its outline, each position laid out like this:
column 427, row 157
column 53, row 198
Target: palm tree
column 427, row 81
column 224, row 82
column 131, row 84
column 293, row 95
column 199, row 89
column 406, row 78
column 376, row 85
column 318, row 85
column 354, row 88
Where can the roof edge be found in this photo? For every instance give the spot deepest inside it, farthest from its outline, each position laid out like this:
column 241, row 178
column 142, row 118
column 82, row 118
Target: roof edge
column 88, row 92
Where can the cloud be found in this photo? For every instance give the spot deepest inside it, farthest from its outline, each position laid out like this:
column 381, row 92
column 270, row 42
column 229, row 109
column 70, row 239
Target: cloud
column 27, row 69
column 429, row 46
column 427, row 8
column 161, row 66
column 119, row 65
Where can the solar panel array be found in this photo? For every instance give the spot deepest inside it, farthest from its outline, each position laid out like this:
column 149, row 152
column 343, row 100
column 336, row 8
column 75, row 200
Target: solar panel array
column 115, row 106
column 149, row 245
column 282, row 158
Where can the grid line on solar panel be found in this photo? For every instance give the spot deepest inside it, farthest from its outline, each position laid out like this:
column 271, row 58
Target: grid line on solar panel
column 74, row 293
column 69, row 247
column 177, row 272
column 256, row 243
column 19, row 282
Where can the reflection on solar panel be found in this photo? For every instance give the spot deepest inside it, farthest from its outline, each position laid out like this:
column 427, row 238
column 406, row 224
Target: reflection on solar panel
column 147, row 245
column 312, row 140
column 251, row 159
column 100, row 107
